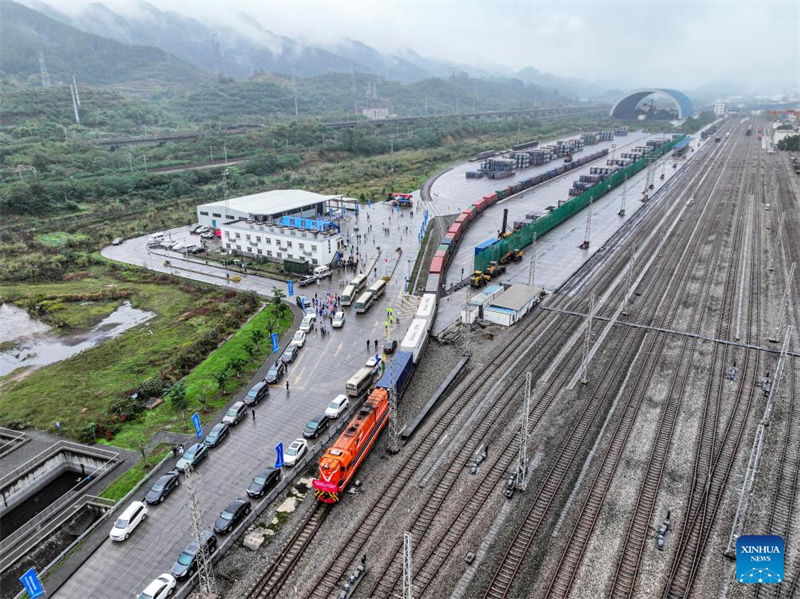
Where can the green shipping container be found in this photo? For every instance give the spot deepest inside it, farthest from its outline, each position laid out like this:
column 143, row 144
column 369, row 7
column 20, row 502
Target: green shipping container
column 444, row 247
column 297, row 266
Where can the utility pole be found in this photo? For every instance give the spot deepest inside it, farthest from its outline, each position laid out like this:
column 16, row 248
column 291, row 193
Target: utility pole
column 587, row 236
column 785, row 302
column 355, row 92
column 205, row 569
column 144, row 158
column 43, row 74
column 587, row 342
column 522, row 459
column 628, row 282
column 408, row 575
column 624, row 195
column 467, row 325
column 130, row 161
column 532, row 272
column 75, row 104
column 613, row 151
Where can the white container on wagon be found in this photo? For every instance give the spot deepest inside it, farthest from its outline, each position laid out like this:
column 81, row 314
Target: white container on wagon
column 427, row 306
column 415, row 338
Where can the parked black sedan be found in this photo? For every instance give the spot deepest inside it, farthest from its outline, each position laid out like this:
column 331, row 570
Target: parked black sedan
column 257, row 392
column 230, row 516
column 264, row 481
column 390, row 346
column 290, row 353
column 275, row 373
column 216, row 435
column 316, row 426
column 163, row 487
column 186, row 563
column 192, row 457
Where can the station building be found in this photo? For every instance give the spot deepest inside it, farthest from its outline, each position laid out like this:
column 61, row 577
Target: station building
column 280, row 225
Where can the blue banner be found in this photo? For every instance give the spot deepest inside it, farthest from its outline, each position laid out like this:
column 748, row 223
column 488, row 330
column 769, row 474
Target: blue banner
column 291, row 287
column 198, row 429
column 33, row 586
column 279, row 451
column 274, row 343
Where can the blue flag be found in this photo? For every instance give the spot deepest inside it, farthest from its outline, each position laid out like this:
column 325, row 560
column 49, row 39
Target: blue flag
column 198, row 429
column 274, row 343
column 33, row 586
column 290, row 284
column 279, row 451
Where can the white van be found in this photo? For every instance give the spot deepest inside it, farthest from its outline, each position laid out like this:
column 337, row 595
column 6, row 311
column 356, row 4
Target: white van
column 128, row 521
column 322, row 272
column 348, row 295
column 359, row 282
column 364, row 302
column 377, row 288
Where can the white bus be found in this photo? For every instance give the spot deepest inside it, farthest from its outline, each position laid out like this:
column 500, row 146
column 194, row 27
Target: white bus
column 377, row 288
column 359, row 382
column 359, row 282
column 348, row 295
column 363, row 302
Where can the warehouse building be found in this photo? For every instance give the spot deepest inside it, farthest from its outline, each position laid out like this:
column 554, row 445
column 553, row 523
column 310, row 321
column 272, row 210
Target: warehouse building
column 283, row 225
column 510, row 306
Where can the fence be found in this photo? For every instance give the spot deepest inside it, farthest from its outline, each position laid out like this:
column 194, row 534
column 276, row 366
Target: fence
column 524, row 237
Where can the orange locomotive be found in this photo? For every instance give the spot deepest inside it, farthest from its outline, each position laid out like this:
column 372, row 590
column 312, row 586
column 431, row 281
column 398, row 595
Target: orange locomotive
column 338, row 465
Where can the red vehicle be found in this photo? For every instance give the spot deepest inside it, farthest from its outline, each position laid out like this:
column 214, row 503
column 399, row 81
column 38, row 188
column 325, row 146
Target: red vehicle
column 338, row 465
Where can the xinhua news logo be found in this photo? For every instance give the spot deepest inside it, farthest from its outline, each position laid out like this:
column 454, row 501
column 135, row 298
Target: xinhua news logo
column 759, row 559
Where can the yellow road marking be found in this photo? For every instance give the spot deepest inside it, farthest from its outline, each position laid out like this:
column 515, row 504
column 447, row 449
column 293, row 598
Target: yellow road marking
column 297, row 378
column 338, row 349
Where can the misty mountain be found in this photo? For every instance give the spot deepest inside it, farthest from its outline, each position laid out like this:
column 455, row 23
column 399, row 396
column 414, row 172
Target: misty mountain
column 567, row 86
column 389, row 67
column 92, row 59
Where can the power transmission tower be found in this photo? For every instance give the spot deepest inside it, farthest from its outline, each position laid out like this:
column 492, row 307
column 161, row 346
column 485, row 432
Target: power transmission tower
column 532, row 272
column 628, row 282
column 205, row 570
column 522, row 460
column 45, row 76
column 219, row 57
column 355, row 93
column 394, row 421
column 785, row 302
column 408, row 576
column 77, row 94
column 778, row 243
column 467, row 325
column 294, row 89
column 587, row 236
column 587, row 342
column 75, row 104
column 624, row 196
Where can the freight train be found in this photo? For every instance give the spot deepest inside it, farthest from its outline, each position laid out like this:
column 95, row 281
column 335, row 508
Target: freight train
column 340, row 462
column 448, row 246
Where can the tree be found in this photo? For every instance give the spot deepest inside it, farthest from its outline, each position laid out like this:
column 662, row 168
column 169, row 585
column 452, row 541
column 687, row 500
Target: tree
column 277, row 299
column 250, row 348
column 177, row 397
column 258, row 336
column 221, row 376
column 236, row 364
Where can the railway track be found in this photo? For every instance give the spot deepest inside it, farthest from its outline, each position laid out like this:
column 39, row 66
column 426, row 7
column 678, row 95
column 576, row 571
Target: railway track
column 561, row 582
column 273, row 580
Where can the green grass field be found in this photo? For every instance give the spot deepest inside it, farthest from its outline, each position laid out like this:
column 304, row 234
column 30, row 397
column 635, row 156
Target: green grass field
column 78, row 390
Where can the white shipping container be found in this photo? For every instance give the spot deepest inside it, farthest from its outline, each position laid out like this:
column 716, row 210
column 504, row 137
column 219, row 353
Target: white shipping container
column 415, row 338
column 427, row 306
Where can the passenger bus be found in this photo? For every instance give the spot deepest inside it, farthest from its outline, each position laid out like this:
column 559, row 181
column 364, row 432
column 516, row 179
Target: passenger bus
column 363, row 302
column 348, row 295
column 359, row 282
column 359, row 383
column 377, row 288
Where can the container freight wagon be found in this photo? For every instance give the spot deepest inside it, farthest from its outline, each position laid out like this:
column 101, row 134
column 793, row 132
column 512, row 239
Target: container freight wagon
column 397, row 373
column 523, row 238
column 525, row 145
column 415, row 339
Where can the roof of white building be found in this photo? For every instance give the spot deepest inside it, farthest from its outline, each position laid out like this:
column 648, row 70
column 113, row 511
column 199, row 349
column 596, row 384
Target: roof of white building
column 272, row 202
column 515, row 297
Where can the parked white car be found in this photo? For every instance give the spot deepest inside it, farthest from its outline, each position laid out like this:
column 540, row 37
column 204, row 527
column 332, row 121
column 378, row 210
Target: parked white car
column 127, row 522
column 295, row 451
column 339, row 404
column 338, row 320
column 299, row 339
column 161, row 588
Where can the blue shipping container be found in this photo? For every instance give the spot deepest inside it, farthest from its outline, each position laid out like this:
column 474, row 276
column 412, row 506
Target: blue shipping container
column 480, row 247
column 398, row 373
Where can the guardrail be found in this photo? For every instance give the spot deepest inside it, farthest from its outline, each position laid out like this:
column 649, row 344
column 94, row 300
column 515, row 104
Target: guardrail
column 13, row 440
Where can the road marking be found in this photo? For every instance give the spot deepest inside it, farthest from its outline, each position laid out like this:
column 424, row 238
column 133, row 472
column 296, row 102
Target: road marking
column 338, row 349
column 297, row 378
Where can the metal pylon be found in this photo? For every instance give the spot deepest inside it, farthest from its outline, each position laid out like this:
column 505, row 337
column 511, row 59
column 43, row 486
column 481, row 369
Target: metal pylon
column 532, row 272
column 588, row 234
column 43, row 74
column 629, row 282
column 624, row 196
column 207, row 583
column 587, row 342
column 394, row 422
column 785, row 302
column 408, row 576
column 522, row 461
column 467, row 325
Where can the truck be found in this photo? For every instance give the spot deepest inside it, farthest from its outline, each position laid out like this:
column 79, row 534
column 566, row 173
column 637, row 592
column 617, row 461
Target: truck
column 404, row 200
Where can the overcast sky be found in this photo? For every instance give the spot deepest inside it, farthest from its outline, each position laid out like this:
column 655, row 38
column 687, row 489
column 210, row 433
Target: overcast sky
column 666, row 43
